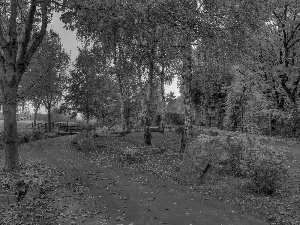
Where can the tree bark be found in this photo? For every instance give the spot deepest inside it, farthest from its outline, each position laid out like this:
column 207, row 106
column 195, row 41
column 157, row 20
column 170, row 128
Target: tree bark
column 186, row 79
column 150, row 90
column 35, row 111
column 87, row 118
column 143, row 102
column 10, row 128
column 14, row 59
column 49, row 119
column 122, row 104
column 163, row 101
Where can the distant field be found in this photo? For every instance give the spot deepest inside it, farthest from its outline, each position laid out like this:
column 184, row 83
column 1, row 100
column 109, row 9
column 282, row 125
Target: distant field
column 21, row 124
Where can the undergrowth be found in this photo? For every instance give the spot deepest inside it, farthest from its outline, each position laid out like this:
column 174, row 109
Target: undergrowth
column 161, row 159
column 36, row 206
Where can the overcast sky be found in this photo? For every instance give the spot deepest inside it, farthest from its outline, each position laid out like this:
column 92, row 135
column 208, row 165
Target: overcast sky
column 68, row 37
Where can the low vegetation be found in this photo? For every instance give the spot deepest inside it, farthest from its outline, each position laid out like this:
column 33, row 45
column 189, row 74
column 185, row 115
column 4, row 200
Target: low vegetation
column 230, row 166
column 24, row 200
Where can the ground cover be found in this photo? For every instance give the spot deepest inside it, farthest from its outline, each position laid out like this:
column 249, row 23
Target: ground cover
column 90, row 191
column 70, row 179
column 162, row 161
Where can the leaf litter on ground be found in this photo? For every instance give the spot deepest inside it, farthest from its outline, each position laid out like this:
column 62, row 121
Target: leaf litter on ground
column 161, row 160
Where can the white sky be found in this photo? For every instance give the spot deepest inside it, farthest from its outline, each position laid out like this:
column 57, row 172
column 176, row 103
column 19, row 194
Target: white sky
column 70, row 43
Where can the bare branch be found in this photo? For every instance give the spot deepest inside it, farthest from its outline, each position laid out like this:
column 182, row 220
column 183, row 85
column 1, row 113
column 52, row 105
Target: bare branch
column 296, row 83
column 28, row 30
column 38, row 38
column 3, row 42
column 293, row 33
column 13, row 29
column 275, row 14
column 295, row 42
column 2, row 67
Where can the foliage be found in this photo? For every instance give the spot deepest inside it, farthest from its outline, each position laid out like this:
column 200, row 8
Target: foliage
column 101, row 130
column 28, row 135
column 238, row 155
column 273, row 54
column 174, row 118
column 90, row 91
column 23, row 26
column 280, row 208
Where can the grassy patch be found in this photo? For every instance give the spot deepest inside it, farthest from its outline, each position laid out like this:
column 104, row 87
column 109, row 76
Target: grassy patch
column 161, row 160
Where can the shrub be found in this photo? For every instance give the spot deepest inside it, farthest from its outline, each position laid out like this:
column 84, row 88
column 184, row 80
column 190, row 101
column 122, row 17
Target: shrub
column 237, row 155
column 266, row 169
column 37, row 134
column 24, row 136
column 179, row 130
column 174, row 118
column 99, row 131
column 116, row 128
column 79, row 137
column 87, row 144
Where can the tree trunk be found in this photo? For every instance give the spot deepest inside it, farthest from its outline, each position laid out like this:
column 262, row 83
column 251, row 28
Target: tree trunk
column 143, row 105
column 87, row 118
column 163, row 100
column 10, row 128
column 206, row 110
column 122, row 104
column 186, row 79
column 150, row 90
column 36, row 108
column 49, row 119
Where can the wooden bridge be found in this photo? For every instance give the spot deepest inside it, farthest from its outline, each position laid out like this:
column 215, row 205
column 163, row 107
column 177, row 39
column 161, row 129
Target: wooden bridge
column 66, row 129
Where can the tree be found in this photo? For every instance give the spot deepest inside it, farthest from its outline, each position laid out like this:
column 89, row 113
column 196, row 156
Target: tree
column 274, row 54
column 22, row 28
column 90, row 89
column 45, row 80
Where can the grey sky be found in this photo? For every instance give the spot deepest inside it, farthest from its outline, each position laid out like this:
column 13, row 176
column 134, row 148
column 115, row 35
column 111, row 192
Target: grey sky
column 68, row 37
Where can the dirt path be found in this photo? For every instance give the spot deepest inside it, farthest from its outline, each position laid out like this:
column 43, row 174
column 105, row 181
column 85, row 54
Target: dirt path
column 96, row 194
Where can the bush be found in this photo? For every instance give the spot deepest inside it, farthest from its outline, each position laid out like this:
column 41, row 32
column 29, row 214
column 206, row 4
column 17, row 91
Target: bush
column 116, row 128
column 78, row 137
column 24, row 136
column 87, row 144
column 99, row 131
column 175, row 119
column 37, row 134
column 237, row 155
column 179, row 130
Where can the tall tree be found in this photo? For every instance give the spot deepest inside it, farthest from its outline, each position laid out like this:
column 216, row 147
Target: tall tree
column 274, row 54
column 45, row 80
column 90, row 89
column 22, row 28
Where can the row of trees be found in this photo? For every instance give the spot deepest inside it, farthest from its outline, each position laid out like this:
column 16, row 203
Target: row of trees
column 45, row 80
column 236, row 61
column 142, row 45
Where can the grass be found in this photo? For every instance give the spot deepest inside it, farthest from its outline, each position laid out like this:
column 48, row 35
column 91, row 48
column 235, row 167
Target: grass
column 282, row 208
column 169, row 140
column 21, row 124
